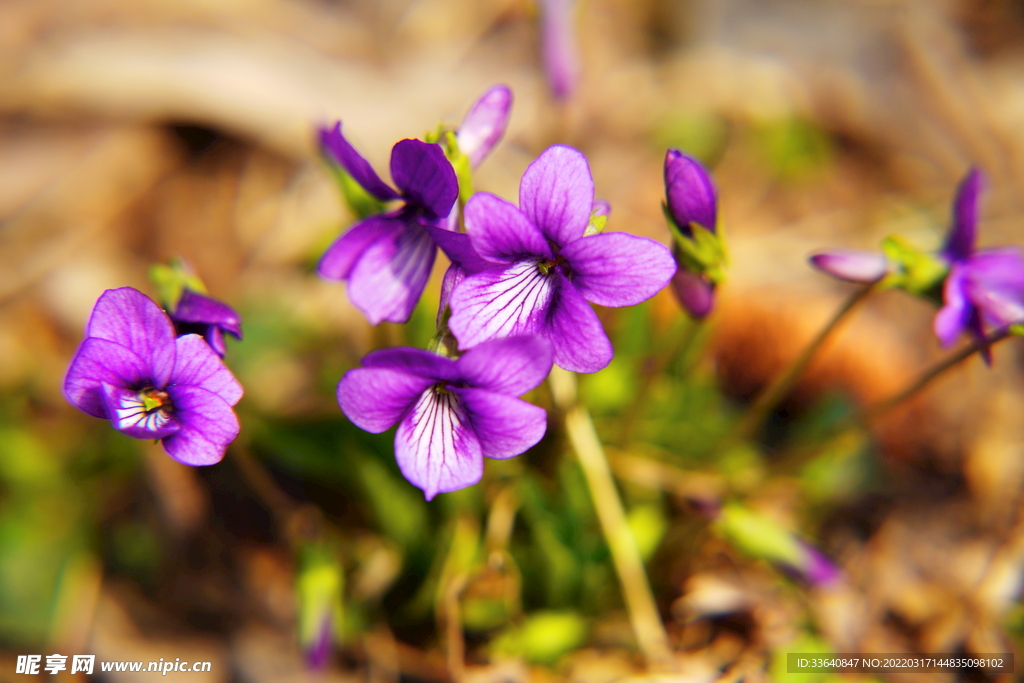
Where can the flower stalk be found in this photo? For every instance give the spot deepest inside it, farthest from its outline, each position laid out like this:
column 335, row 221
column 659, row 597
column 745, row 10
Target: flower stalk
column 926, row 377
column 636, row 588
column 768, row 399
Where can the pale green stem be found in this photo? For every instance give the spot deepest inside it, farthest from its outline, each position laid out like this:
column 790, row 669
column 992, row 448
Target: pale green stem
column 636, row 588
column 780, row 387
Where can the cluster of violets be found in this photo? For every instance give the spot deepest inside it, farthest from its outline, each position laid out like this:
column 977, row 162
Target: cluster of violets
column 980, row 291
column 515, row 299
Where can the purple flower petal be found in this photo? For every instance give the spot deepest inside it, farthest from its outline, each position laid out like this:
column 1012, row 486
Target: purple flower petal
column 128, row 317
column 435, row 446
column 500, row 302
column 128, row 414
column 953, row 316
column 377, row 398
column 388, row 279
column 196, row 308
column 339, row 259
column 505, row 426
column 558, row 42
column 417, row 362
column 694, row 293
column 575, row 332
column 215, row 338
column 359, row 168
column 458, row 248
column 500, row 232
column 616, row 269
column 601, row 208
column 557, row 194
column 425, row 176
column 98, row 362
column 818, row 569
column 689, row 191
column 485, row 124
column 994, row 283
column 207, row 426
column 510, row 366
column 198, row 365
column 963, row 233
column 852, row 265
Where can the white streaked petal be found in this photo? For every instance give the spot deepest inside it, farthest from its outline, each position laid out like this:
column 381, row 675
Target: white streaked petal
column 128, row 414
column 500, row 302
column 435, row 445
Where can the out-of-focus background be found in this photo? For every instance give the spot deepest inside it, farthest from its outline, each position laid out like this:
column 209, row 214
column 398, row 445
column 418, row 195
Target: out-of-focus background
column 134, row 132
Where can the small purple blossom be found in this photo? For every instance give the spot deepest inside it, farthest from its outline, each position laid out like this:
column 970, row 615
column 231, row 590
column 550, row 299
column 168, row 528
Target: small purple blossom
column 200, row 314
column 133, row 371
column 558, row 45
column 485, row 124
column 542, row 269
column 450, row 413
column 387, row 258
column 690, row 200
column 852, row 265
column 984, row 288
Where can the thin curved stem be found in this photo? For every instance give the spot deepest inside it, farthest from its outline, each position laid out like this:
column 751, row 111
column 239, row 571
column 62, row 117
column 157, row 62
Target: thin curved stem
column 768, row 399
column 926, row 377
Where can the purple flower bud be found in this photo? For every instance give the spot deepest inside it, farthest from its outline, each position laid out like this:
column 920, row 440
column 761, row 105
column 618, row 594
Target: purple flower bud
column 817, row 569
column 689, row 192
column 542, row 269
column 451, row 414
column 199, row 314
column 485, row 123
column 131, row 369
column 695, row 293
column 852, row 265
column 558, row 43
column 601, row 208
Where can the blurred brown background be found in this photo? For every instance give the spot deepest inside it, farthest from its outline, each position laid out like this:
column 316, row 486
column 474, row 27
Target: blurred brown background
column 131, row 132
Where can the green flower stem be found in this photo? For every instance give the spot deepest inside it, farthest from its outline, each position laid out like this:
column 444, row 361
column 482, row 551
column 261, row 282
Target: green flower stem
column 636, row 589
column 768, row 399
column 926, row 377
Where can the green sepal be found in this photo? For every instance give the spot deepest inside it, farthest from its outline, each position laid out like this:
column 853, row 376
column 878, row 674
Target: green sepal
column 1017, row 330
column 918, row 272
column 359, row 201
column 703, row 252
column 172, row 280
column 596, row 224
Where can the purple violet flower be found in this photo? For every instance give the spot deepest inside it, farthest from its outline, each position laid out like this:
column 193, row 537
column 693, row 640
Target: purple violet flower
column 984, row 288
column 558, row 45
column 200, row 314
column 690, row 199
column 131, row 370
column 387, row 258
column 543, row 270
column 852, row 265
column 450, row 413
column 485, row 124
